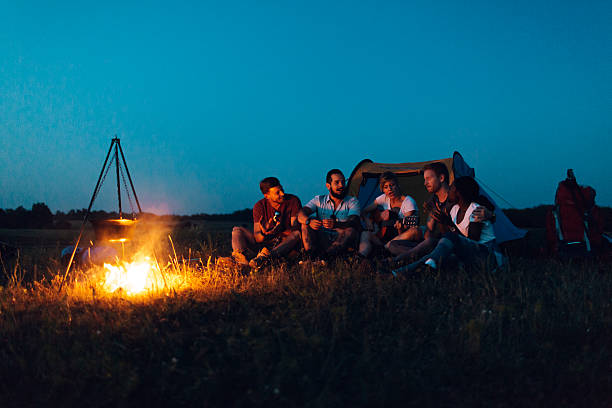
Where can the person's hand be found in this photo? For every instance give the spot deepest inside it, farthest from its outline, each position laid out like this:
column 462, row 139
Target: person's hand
column 442, row 217
column 270, row 227
column 482, row 214
column 262, row 224
column 315, row 224
column 329, row 223
column 385, row 216
column 277, row 227
column 428, row 206
column 398, row 226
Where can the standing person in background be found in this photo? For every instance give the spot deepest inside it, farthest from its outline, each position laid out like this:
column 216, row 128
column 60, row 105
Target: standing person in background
column 395, row 215
column 275, row 229
column 330, row 222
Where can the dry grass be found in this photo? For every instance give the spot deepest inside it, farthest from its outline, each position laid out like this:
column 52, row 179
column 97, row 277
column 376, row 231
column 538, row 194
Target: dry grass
column 535, row 334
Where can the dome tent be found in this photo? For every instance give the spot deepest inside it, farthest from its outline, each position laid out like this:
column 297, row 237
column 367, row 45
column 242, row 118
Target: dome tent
column 363, row 184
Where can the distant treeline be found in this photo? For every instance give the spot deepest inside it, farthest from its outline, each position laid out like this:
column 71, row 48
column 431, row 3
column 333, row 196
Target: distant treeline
column 535, row 217
column 38, row 217
column 240, row 215
column 41, row 217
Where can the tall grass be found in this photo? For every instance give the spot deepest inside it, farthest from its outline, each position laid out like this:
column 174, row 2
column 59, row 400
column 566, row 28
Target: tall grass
column 534, row 334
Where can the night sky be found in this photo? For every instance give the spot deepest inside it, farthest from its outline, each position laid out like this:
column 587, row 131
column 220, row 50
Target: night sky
column 208, row 98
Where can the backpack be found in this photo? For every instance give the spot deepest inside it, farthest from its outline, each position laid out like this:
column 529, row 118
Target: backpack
column 574, row 226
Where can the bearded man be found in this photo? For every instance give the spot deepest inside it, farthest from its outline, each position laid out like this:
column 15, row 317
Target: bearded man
column 330, row 222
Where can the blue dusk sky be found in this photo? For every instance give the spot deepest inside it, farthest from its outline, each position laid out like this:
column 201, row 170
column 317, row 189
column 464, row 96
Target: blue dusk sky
column 210, row 97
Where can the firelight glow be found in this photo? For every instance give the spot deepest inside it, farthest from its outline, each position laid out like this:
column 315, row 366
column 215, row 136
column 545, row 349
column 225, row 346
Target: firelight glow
column 136, row 277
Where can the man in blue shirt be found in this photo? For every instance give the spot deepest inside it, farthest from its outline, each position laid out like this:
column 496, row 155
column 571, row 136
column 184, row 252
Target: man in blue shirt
column 330, row 222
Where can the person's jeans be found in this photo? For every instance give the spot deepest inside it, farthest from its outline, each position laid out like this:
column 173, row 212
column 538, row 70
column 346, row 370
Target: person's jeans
column 413, row 249
column 323, row 240
column 468, row 251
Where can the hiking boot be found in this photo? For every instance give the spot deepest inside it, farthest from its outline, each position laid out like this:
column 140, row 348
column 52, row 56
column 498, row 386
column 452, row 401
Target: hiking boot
column 262, row 257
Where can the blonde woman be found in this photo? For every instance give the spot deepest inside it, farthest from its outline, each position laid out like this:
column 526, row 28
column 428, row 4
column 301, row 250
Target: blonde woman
column 392, row 216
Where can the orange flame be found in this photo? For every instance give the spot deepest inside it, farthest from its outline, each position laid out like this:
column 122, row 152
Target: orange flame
column 136, row 277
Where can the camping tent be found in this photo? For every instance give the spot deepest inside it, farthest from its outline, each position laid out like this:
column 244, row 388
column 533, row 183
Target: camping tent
column 363, row 184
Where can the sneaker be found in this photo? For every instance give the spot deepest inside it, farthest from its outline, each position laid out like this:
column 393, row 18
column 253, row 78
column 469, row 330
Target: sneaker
column 431, row 263
column 397, row 272
column 262, row 257
column 258, row 262
column 406, row 270
column 240, row 258
column 225, row 261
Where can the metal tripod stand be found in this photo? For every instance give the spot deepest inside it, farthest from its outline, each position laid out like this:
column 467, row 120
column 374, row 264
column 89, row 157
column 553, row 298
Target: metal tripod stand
column 116, row 145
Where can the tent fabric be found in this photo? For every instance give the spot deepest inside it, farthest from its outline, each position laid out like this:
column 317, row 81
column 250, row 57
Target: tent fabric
column 363, row 184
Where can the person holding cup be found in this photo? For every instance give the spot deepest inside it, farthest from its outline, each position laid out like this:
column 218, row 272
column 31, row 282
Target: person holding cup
column 330, row 222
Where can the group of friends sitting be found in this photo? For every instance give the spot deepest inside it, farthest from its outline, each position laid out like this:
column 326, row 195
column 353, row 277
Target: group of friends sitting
column 459, row 223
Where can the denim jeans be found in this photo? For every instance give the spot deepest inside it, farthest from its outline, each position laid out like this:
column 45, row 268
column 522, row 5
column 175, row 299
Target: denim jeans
column 468, row 251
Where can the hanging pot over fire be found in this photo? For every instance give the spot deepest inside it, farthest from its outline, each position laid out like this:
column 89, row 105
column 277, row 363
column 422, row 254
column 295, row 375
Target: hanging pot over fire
column 114, row 230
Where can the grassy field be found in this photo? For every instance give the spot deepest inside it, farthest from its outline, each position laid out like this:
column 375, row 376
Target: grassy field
column 538, row 333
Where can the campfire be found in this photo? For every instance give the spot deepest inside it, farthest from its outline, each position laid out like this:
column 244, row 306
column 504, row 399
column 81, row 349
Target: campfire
column 129, row 274
column 134, row 277
column 137, row 277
